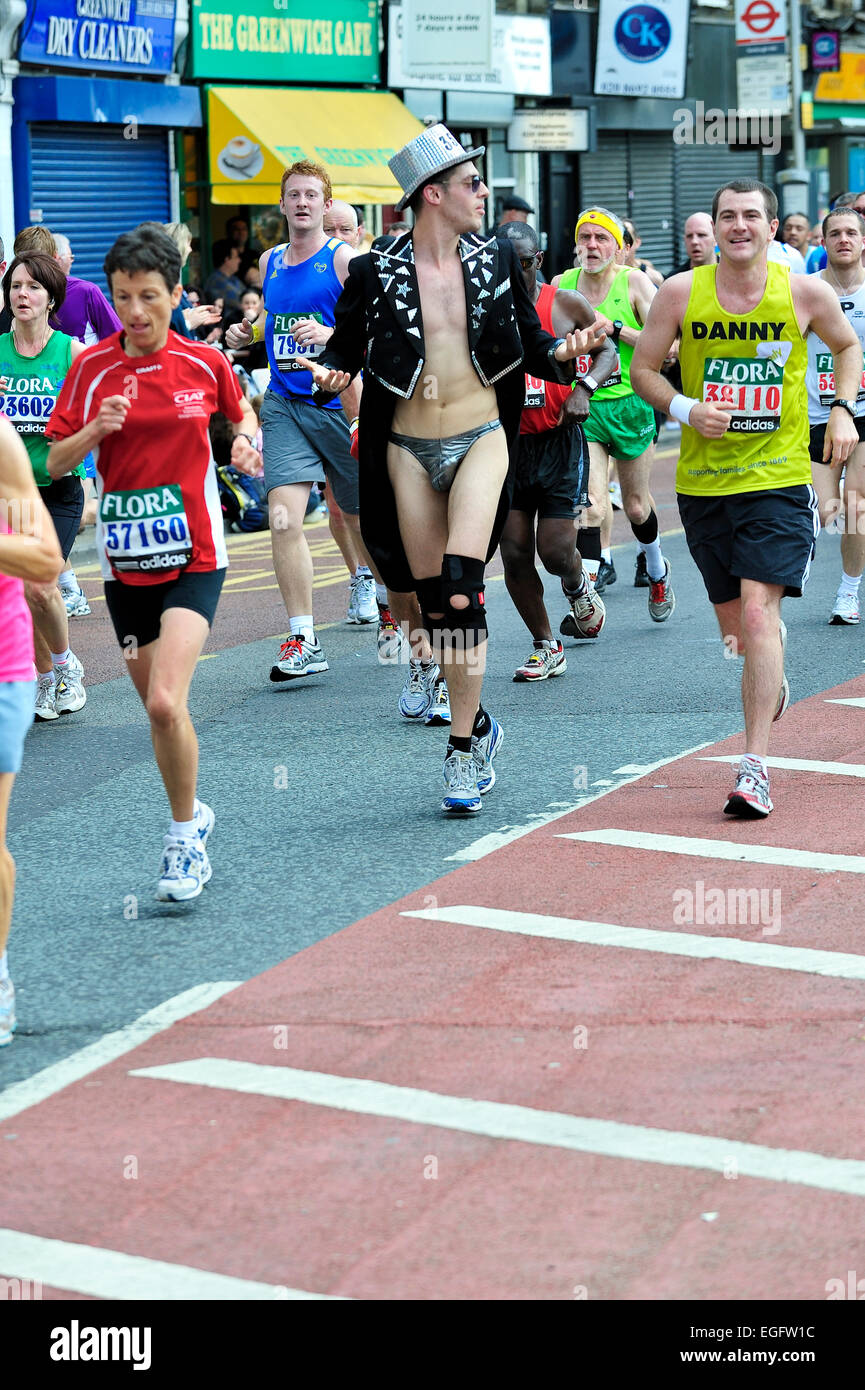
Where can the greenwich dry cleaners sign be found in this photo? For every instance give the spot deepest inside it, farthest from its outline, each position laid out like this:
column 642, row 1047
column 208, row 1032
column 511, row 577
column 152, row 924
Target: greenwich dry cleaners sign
column 110, row 35
column 286, row 40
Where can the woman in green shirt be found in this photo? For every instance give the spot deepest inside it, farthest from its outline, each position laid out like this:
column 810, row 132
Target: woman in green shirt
column 34, row 360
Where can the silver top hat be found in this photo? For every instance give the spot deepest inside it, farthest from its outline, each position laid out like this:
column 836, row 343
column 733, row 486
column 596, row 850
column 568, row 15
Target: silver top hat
column 428, row 154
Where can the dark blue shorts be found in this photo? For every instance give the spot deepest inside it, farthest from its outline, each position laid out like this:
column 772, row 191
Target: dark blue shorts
column 766, row 536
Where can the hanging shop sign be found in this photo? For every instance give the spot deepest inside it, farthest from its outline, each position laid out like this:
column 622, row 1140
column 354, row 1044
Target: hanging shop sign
column 444, row 33
column 545, row 130
column 108, row 35
column 521, row 60
column 276, row 41
column 642, row 49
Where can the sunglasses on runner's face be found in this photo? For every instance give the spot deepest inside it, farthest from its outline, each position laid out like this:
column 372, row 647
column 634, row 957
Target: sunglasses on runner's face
column 528, row 261
column 473, row 183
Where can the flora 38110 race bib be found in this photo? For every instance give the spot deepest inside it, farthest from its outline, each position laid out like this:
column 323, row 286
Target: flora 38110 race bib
column 146, row 529
column 753, row 386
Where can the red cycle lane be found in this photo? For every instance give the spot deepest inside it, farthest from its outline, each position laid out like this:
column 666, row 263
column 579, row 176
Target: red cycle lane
column 620, row 1057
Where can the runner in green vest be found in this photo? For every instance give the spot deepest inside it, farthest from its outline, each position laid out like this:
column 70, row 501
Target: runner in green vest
column 621, row 426
column 34, row 362
column 744, row 475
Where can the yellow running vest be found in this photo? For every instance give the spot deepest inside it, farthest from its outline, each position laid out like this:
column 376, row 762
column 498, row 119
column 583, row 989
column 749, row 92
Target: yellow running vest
column 757, row 363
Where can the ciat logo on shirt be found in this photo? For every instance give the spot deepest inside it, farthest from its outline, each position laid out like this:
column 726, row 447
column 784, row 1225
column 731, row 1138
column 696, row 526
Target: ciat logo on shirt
column 190, row 404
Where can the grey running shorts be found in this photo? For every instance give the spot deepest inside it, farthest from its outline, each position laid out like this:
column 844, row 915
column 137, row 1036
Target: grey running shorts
column 306, row 443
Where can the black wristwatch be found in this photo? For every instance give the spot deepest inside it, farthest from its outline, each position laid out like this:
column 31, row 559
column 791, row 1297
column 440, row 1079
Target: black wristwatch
column 617, row 328
column 845, row 405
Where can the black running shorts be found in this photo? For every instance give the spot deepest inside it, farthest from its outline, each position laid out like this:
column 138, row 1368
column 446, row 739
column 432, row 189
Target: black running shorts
column 818, row 436
column 64, row 498
column 767, row 536
column 552, row 473
column 136, row 609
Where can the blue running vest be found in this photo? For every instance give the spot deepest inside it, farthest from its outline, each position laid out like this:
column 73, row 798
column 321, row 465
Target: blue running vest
column 291, row 292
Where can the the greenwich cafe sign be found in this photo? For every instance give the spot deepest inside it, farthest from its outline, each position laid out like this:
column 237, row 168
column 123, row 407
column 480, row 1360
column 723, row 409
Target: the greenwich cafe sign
column 306, row 41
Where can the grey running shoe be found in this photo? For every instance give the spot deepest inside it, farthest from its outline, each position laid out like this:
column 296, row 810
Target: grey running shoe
column 749, row 799
column 588, row 613
column 418, row 692
column 641, row 574
column 606, row 576
column 75, row 600
column 46, row 708
column 362, row 605
column 70, row 694
column 298, row 657
column 8, row 1022
column 662, row 600
column 545, row 661
column 462, row 795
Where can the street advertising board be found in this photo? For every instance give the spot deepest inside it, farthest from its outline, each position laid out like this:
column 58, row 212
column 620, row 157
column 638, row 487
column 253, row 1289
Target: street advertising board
column 299, row 41
column 642, row 49
column 126, row 36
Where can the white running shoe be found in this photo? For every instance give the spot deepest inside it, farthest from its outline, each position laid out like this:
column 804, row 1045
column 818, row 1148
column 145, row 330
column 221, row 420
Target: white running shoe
column 362, row 604
column 298, row 657
column 846, row 609
column 69, row 686
column 419, row 689
column 205, row 820
column 75, row 600
column 587, row 614
column 390, row 637
column 184, row 870
column 484, row 749
column 462, row 796
column 544, row 661
column 439, row 712
column 8, row 1021
column 46, row 707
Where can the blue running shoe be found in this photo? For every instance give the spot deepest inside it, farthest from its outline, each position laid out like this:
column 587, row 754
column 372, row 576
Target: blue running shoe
column 484, row 749
column 462, row 796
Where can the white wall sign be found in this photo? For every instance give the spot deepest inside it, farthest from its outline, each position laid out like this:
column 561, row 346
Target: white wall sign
column 549, row 130
column 445, row 33
column 521, row 60
column 763, row 83
column 642, row 48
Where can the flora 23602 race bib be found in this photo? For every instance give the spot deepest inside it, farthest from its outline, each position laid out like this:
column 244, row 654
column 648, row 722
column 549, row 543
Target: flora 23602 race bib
column 146, row 529
column 753, row 386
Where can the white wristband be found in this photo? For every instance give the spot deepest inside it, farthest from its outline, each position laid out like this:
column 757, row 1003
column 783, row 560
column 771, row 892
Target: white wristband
column 680, row 407
column 589, row 381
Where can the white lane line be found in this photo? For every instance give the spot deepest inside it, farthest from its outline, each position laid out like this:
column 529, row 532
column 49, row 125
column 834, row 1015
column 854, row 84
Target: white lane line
column 518, row 1122
column 90, row 1269
column 723, row 849
column 840, row 965
column 52, row 1079
column 857, row 701
column 801, row 765
column 506, row 834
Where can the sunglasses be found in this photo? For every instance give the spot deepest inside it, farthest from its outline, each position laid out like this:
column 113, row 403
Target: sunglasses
column 473, row 183
column 528, row 261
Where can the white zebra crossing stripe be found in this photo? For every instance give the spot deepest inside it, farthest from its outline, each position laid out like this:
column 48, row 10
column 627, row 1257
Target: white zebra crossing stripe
column 836, row 964
column 609, row 1138
column 857, row 701
column 802, row 765
column 723, row 849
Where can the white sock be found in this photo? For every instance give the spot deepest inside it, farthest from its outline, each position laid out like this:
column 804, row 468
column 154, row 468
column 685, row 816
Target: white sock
column 4, row 967
column 849, row 584
column 302, row 626
column 381, row 594
column 654, row 560
column 46, row 677
column 606, row 555
column 755, row 757
column 68, row 578
column 61, row 658
column 184, row 829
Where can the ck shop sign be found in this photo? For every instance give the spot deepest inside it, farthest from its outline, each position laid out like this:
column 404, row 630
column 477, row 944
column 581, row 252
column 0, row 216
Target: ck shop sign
column 108, row 35
column 642, row 48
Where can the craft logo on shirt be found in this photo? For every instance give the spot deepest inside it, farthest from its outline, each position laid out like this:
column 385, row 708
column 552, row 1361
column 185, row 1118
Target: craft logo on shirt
column 154, row 367
column 190, row 405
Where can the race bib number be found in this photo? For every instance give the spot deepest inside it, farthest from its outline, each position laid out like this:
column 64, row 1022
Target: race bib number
column 754, row 386
column 146, row 529
column 29, row 414
column 536, row 393
column 826, row 380
column 285, row 346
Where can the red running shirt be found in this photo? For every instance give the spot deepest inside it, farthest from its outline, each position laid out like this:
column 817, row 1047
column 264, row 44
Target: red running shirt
column 159, row 508
column 544, row 399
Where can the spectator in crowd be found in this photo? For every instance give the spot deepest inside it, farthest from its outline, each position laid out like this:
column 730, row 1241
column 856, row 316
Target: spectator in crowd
column 224, row 280
column 515, row 209
column 699, row 235
column 633, row 241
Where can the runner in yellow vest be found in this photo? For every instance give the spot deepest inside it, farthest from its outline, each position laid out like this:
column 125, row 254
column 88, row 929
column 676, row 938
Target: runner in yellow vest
column 621, row 426
column 744, row 475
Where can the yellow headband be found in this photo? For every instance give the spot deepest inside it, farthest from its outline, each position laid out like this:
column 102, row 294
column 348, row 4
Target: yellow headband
column 599, row 219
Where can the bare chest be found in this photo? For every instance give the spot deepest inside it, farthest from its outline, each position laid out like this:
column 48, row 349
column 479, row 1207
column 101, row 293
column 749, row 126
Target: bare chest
column 443, row 300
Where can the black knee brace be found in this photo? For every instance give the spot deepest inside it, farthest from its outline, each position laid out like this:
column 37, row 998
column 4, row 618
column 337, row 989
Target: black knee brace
column 430, row 600
column 463, row 575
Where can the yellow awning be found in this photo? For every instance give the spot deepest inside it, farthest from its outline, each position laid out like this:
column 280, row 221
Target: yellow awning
column 254, row 133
